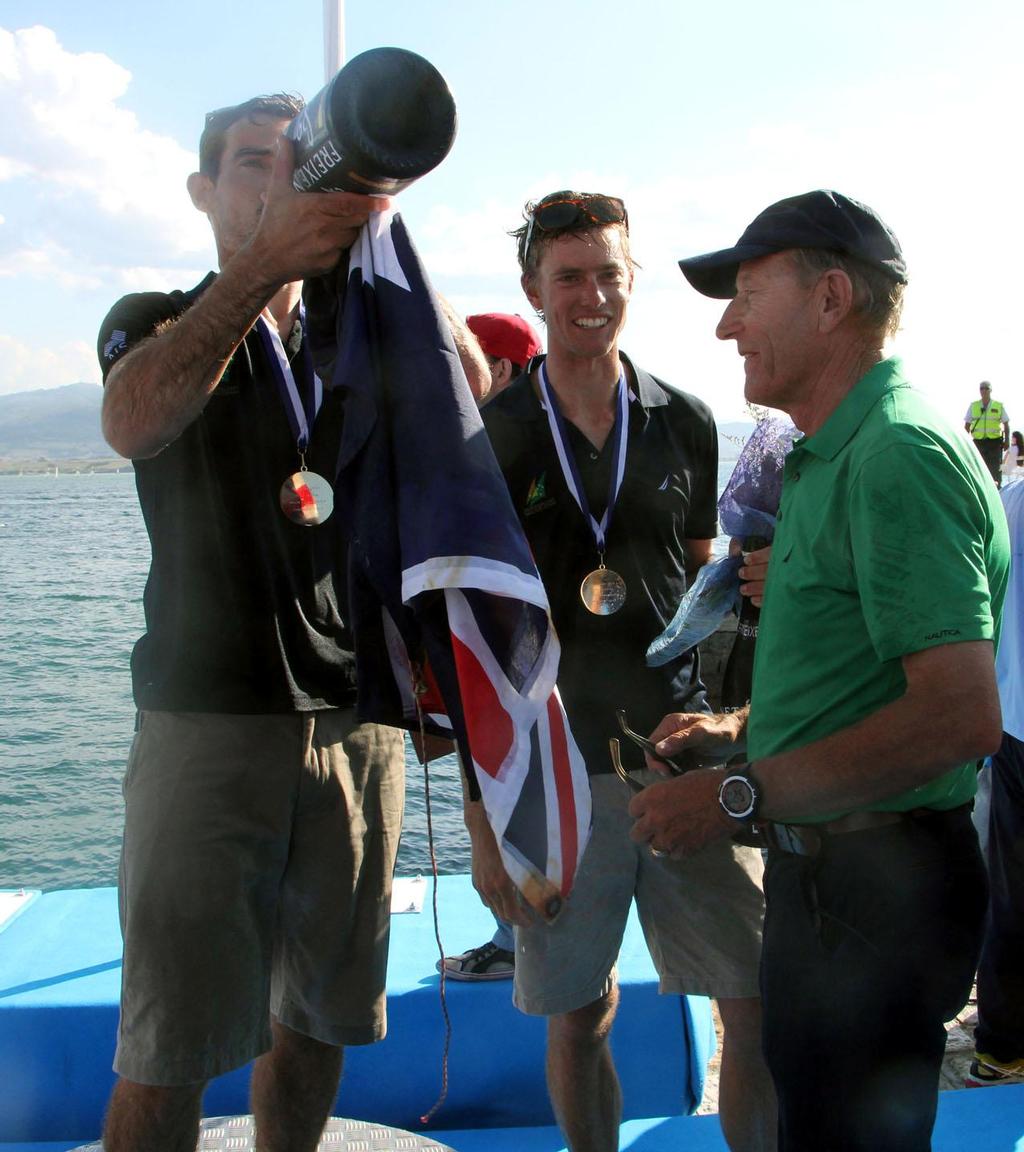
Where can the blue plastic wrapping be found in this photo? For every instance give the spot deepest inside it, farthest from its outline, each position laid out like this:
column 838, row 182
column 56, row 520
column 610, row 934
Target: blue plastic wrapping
column 747, row 507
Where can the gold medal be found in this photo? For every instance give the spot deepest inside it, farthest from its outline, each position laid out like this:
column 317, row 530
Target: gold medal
column 307, row 498
column 603, row 591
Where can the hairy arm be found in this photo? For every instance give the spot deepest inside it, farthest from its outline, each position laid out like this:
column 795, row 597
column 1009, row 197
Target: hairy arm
column 491, row 881
column 948, row 715
column 158, row 388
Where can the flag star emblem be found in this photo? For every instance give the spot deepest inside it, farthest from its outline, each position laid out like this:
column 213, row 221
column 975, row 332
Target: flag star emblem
column 374, row 255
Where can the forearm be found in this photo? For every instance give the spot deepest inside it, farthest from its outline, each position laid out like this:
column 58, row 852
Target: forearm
column 474, row 815
column 696, row 553
column 938, row 724
column 163, row 384
column 490, row 879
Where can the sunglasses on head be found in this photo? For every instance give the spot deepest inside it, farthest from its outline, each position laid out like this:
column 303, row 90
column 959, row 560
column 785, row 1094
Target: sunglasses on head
column 574, row 210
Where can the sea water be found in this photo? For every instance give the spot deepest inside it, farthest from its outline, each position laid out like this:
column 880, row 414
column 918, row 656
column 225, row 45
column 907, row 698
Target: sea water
column 73, row 562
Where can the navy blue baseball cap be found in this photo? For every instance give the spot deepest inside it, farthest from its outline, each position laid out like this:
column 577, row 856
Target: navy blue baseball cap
column 819, row 219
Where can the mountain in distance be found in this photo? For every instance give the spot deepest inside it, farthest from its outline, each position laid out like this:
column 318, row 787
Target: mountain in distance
column 53, row 424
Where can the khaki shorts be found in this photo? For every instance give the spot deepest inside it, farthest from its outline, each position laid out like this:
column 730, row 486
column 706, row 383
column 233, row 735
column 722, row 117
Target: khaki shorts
column 255, row 881
column 701, row 918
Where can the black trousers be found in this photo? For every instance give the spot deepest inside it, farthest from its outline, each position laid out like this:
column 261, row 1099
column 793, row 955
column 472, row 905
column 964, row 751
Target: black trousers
column 1000, row 1031
column 992, row 453
column 868, row 949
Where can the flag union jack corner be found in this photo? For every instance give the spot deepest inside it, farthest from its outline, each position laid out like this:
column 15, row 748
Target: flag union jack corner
column 447, row 607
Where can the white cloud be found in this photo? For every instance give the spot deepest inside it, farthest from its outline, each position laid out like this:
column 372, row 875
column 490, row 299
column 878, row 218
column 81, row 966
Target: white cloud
column 80, row 170
column 934, row 163
column 25, row 366
column 50, row 262
column 84, row 186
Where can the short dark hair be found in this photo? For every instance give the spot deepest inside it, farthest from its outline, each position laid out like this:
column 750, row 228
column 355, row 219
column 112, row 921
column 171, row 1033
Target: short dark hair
column 280, row 106
column 877, row 297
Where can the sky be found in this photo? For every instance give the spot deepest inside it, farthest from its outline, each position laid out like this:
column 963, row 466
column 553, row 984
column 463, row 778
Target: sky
column 698, row 115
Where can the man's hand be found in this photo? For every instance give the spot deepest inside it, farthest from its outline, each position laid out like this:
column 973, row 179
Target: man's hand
column 754, row 572
column 490, row 879
column 680, row 816
column 162, row 384
column 717, row 736
column 302, row 234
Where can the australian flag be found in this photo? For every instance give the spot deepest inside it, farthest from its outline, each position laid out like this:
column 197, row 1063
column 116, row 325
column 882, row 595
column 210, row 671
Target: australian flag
column 449, row 614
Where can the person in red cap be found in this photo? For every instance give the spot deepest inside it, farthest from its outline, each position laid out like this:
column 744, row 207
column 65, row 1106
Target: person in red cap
column 509, row 343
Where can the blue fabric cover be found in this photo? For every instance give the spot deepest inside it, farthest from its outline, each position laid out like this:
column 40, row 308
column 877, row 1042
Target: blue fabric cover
column 60, row 970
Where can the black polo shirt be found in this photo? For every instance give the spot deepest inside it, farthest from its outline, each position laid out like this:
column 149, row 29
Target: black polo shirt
column 668, row 494
column 242, row 606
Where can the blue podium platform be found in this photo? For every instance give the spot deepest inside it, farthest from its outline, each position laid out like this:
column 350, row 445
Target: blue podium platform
column 60, row 970
column 973, row 1120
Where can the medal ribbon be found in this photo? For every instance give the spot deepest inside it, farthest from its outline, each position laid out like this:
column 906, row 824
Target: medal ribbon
column 556, row 422
column 301, row 410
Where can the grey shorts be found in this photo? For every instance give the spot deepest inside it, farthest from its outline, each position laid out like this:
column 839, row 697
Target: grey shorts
column 701, row 918
column 255, row 881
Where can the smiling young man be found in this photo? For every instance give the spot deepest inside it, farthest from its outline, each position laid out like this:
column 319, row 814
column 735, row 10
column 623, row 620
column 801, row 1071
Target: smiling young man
column 614, row 477
column 874, row 691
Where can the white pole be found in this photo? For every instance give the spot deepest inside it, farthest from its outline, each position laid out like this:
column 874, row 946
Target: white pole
column 334, row 37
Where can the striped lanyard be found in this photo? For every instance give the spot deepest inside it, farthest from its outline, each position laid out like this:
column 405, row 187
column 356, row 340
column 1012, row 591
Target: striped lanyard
column 556, row 422
column 301, row 408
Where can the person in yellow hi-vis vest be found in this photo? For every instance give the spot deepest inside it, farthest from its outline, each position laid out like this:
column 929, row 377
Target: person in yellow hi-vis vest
column 988, row 423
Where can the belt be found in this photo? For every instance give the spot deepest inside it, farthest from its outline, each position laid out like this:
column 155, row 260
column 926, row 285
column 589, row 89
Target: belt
column 808, row 839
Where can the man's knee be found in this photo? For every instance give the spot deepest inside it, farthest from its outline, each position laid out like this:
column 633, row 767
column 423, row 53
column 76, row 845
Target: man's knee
column 169, row 1115
column 287, row 1039
column 586, row 1026
column 741, row 1021
column 178, row 1097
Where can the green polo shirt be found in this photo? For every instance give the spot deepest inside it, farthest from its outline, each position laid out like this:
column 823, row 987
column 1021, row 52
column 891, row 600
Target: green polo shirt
column 891, row 539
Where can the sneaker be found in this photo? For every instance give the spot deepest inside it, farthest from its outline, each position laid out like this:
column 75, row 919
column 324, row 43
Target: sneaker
column 987, row 1070
column 488, row 962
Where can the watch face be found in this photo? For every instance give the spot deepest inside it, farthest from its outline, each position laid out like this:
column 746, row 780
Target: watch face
column 737, row 797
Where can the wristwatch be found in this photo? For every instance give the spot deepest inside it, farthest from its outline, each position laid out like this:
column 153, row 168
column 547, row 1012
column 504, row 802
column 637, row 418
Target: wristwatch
column 740, row 796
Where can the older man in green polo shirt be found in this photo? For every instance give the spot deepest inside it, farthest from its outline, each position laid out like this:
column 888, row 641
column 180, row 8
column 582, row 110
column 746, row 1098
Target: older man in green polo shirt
column 874, row 690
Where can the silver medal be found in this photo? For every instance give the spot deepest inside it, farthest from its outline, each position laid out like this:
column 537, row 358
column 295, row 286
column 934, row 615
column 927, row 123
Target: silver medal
column 603, row 591
column 307, row 498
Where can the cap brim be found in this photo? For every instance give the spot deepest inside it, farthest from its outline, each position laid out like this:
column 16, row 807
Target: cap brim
column 714, row 274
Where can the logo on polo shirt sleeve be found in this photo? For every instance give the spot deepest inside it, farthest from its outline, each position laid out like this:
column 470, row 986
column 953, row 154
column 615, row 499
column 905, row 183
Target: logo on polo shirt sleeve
column 115, row 345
